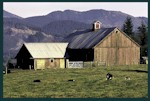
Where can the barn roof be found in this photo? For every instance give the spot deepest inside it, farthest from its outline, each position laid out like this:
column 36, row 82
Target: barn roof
column 87, row 38
column 46, row 50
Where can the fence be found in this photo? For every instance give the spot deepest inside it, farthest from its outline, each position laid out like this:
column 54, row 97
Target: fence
column 81, row 64
column 75, row 64
column 93, row 64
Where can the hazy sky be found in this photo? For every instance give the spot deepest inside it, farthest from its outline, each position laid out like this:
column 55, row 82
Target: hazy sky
column 28, row 9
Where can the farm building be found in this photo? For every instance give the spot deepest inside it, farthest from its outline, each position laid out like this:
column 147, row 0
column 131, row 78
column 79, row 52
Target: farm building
column 41, row 55
column 109, row 46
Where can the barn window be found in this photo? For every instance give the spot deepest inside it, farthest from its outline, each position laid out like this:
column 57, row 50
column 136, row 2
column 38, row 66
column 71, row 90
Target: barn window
column 51, row 60
column 116, row 31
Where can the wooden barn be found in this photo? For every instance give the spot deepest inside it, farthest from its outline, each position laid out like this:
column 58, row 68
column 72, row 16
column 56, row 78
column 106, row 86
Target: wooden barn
column 41, row 55
column 109, row 46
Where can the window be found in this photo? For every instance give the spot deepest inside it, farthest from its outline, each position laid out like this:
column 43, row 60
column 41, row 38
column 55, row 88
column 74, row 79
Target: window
column 51, row 60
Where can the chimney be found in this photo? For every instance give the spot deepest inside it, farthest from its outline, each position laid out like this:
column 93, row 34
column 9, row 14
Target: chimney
column 97, row 25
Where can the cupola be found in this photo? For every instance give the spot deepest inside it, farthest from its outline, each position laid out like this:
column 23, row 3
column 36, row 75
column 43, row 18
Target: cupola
column 97, row 25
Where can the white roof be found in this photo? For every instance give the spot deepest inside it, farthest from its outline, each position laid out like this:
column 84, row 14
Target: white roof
column 97, row 22
column 46, row 50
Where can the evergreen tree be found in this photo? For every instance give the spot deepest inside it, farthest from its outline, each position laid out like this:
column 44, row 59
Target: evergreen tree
column 128, row 27
column 143, row 35
column 142, row 30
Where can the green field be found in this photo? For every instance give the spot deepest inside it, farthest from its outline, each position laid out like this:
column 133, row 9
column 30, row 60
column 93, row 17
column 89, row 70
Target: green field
column 89, row 83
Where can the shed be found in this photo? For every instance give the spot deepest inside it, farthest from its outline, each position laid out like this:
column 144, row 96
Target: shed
column 41, row 55
column 109, row 46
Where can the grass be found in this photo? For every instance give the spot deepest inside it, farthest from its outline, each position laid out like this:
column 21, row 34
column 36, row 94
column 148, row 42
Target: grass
column 89, row 83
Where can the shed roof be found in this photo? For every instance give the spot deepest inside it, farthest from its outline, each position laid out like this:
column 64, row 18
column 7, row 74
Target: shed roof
column 46, row 50
column 87, row 38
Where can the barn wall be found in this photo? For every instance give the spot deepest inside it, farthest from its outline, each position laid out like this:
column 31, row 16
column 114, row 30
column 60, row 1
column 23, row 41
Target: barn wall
column 117, row 49
column 23, row 58
column 48, row 63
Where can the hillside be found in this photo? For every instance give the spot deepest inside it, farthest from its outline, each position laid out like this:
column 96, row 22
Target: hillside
column 10, row 15
column 64, row 27
column 16, row 33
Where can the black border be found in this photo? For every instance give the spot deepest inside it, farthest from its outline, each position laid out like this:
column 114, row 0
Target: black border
column 64, row 99
column 1, row 51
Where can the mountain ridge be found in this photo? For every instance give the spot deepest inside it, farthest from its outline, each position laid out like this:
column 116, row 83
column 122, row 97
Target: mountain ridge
column 7, row 14
column 108, row 18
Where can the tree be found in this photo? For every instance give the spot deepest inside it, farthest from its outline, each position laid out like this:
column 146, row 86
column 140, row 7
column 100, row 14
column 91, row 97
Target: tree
column 142, row 31
column 143, row 35
column 128, row 27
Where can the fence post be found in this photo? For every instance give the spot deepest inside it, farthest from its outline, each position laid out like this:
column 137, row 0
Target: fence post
column 30, row 67
column 6, row 70
column 83, row 63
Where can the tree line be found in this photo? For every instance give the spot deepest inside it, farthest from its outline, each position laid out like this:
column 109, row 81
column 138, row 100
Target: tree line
column 141, row 36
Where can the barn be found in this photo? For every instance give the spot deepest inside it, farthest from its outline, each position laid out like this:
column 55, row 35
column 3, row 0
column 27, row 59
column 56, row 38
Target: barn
column 109, row 46
column 41, row 55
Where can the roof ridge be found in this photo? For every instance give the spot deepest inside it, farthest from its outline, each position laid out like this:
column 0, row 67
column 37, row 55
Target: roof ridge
column 44, row 42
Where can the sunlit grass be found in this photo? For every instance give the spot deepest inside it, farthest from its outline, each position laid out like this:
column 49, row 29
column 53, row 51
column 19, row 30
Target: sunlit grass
column 89, row 83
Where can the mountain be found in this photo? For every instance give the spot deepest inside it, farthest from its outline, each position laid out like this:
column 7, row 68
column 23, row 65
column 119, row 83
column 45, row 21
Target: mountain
column 10, row 15
column 108, row 18
column 17, row 31
column 55, row 26
column 63, row 28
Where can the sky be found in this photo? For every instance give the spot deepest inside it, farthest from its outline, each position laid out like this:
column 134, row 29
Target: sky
column 28, row 9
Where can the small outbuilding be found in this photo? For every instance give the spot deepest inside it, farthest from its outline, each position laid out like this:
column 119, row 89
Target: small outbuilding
column 41, row 55
column 109, row 46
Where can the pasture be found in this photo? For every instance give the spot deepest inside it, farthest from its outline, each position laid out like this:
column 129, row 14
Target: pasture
column 89, row 83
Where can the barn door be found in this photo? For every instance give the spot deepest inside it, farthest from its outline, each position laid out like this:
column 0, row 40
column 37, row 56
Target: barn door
column 112, row 57
column 40, row 64
column 62, row 63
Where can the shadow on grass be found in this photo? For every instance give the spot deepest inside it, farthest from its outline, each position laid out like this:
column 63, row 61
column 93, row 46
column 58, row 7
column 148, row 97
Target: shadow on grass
column 138, row 71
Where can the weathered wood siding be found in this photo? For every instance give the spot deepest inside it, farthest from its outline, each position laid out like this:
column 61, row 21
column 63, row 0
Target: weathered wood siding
column 117, row 49
column 48, row 63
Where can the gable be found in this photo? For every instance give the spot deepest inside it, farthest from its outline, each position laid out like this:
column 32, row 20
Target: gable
column 23, row 52
column 117, row 38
